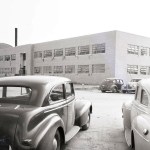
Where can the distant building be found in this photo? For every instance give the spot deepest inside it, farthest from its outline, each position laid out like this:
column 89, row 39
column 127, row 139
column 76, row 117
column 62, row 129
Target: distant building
column 85, row 59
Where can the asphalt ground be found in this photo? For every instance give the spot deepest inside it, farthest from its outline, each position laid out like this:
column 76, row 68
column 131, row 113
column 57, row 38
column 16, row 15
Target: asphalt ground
column 106, row 129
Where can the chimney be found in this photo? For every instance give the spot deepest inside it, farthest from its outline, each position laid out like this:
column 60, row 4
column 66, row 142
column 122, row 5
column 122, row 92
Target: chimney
column 16, row 36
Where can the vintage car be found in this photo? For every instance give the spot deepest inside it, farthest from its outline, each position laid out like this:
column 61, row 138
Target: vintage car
column 136, row 117
column 130, row 86
column 111, row 84
column 40, row 112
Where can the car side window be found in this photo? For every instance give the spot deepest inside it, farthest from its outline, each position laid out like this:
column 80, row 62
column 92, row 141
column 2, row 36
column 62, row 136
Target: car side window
column 121, row 81
column 1, row 92
column 144, row 98
column 136, row 92
column 114, row 81
column 57, row 93
column 69, row 90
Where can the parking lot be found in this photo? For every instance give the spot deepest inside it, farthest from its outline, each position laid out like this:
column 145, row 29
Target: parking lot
column 106, row 130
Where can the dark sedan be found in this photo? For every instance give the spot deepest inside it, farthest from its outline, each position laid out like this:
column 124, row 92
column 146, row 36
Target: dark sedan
column 40, row 112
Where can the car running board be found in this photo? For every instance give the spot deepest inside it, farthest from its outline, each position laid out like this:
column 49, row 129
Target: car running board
column 71, row 133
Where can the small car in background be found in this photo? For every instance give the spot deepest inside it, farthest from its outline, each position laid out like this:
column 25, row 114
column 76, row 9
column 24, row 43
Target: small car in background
column 136, row 117
column 40, row 112
column 111, row 84
column 130, row 86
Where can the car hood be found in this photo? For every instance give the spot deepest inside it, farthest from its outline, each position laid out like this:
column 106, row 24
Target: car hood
column 9, row 115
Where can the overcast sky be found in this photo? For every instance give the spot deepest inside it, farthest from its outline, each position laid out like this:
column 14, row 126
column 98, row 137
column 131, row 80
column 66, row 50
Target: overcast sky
column 46, row 20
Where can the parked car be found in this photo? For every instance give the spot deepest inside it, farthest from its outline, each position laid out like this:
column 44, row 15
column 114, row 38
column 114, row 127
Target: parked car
column 111, row 84
column 136, row 117
column 130, row 86
column 40, row 112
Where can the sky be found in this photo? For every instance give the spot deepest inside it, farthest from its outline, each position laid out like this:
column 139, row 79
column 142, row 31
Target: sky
column 47, row 20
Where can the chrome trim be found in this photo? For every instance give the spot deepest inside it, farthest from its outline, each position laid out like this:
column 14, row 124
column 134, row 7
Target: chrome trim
column 55, row 108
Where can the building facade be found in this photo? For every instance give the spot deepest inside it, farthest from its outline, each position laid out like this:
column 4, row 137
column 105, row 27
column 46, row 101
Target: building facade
column 87, row 59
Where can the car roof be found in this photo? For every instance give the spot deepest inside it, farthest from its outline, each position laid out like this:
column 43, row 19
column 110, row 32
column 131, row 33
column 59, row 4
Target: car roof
column 32, row 80
column 145, row 83
column 40, row 85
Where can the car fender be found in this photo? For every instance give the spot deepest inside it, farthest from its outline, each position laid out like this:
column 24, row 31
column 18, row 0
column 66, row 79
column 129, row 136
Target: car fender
column 113, row 86
column 43, row 132
column 47, row 131
column 126, row 114
column 139, row 124
column 82, row 110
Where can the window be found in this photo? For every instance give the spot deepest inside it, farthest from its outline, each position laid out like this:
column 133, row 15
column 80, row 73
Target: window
column 16, row 91
column 98, row 68
column 57, row 93
column 70, row 51
column 7, row 57
column 144, row 98
column 7, row 70
column 98, row 48
column 37, row 70
column 83, row 50
column 13, row 57
column 47, row 69
column 70, row 69
column 58, row 52
column 143, row 70
column 144, row 51
column 13, row 70
column 83, row 69
column 137, row 93
column 12, row 94
column 38, row 54
column 133, row 49
column 47, row 53
column 1, row 58
column 69, row 90
column 132, row 69
column 58, row 69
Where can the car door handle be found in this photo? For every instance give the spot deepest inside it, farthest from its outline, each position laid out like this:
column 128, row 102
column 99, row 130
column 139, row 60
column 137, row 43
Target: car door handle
column 145, row 131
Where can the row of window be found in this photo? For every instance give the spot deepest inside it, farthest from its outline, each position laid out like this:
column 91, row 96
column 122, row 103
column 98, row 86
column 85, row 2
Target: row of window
column 71, row 51
column 8, row 70
column 133, row 69
column 69, row 69
column 8, row 57
column 138, row 50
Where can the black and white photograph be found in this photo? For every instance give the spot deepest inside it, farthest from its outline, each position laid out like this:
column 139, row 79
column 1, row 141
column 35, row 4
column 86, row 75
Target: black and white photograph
column 74, row 75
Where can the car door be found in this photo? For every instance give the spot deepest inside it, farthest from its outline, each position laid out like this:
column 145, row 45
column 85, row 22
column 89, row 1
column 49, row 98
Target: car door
column 58, row 103
column 70, row 98
column 141, row 124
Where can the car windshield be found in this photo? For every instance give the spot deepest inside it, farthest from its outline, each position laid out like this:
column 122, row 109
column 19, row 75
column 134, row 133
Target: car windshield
column 135, row 80
column 15, row 95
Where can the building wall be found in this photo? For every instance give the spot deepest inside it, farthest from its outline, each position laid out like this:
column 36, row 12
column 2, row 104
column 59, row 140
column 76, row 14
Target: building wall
column 125, row 56
column 90, row 59
column 10, row 60
column 119, row 54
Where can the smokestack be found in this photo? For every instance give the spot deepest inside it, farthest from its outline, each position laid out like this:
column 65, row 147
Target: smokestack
column 16, row 36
